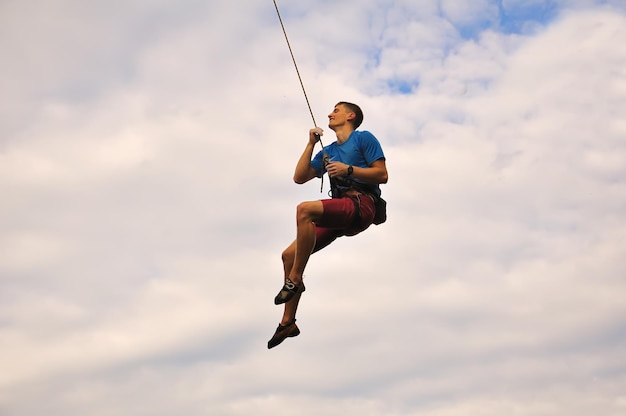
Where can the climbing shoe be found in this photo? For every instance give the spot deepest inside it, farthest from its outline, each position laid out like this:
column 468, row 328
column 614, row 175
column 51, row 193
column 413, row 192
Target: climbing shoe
column 288, row 291
column 282, row 333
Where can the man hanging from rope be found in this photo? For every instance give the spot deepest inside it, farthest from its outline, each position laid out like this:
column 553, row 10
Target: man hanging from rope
column 356, row 166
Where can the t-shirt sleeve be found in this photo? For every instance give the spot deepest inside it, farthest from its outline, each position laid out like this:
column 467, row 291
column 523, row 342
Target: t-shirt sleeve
column 371, row 148
column 317, row 163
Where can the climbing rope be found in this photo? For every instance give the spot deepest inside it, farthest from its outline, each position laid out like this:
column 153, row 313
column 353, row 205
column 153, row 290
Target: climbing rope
column 324, row 154
column 295, row 64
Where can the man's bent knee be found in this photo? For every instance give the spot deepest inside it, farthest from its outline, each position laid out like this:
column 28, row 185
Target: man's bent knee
column 309, row 211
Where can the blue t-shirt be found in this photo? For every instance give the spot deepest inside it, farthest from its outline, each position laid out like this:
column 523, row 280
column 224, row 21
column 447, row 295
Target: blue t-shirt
column 360, row 150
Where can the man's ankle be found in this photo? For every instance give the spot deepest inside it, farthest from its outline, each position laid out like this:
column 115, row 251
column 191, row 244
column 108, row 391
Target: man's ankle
column 296, row 279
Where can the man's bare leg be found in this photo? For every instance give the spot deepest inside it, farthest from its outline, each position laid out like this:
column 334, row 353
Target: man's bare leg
column 306, row 214
column 295, row 258
column 289, row 313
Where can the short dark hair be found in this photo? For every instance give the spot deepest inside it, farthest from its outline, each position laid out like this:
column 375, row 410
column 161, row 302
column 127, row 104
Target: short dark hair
column 358, row 113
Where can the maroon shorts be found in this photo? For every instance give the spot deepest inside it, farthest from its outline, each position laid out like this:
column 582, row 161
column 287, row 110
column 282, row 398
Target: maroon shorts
column 340, row 218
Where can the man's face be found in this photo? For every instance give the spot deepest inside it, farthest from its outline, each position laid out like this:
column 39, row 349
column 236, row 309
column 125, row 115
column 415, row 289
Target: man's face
column 339, row 116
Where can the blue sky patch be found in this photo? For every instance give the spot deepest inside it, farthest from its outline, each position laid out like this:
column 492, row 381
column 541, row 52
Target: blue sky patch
column 399, row 86
column 517, row 17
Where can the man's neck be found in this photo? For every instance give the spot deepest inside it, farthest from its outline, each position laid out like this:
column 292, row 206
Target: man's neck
column 343, row 133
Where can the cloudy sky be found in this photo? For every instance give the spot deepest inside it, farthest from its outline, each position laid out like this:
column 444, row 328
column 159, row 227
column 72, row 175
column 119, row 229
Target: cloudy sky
column 146, row 158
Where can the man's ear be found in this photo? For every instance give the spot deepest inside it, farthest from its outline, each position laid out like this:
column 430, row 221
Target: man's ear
column 351, row 115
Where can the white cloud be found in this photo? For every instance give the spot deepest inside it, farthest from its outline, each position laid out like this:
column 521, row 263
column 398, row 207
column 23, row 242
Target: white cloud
column 146, row 166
